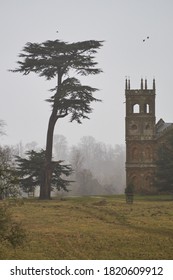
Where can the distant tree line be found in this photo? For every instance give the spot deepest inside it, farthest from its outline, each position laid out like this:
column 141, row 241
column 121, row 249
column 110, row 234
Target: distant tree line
column 101, row 167
column 98, row 168
column 88, row 168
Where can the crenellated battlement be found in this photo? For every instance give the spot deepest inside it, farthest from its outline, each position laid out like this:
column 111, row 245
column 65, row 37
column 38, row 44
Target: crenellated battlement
column 143, row 87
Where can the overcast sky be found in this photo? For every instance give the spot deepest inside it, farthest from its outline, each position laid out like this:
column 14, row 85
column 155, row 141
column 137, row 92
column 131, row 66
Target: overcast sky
column 123, row 24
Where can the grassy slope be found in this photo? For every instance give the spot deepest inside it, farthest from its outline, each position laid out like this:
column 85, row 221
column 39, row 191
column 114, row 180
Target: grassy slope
column 95, row 228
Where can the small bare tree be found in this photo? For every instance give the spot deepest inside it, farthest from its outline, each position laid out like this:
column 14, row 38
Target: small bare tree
column 2, row 124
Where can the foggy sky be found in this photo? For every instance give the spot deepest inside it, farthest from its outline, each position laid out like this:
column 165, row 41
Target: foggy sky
column 123, row 24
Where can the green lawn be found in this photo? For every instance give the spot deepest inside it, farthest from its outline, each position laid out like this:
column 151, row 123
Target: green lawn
column 94, row 228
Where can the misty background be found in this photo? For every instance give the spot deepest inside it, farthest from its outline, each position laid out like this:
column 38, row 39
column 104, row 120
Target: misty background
column 98, row 168
column 95, row 148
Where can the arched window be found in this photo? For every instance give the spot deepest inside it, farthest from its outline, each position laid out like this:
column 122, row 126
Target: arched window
column 135, row 181
column 148, row 153
column 146, row 108
column 148, row 181
column 135, row 154
column 147, row 127
column 136, row 108
column 134, row 127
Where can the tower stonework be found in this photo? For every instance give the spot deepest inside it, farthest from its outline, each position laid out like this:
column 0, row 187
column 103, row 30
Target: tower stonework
column 140, row 136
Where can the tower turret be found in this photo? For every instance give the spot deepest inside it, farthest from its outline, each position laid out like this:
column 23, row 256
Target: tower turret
column 140, row 136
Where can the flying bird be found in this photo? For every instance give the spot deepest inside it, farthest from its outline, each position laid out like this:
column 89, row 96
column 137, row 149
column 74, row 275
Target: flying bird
column 146, row 38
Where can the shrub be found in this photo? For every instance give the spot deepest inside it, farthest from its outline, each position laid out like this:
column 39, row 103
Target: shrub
column 10, row 230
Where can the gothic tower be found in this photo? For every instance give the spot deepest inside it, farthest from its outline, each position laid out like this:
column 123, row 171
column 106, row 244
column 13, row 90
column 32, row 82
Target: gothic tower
column 140, row 136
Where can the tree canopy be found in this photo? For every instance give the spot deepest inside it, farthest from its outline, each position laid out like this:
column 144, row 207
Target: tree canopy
column 58, row 59
column 63, row 61
column 29, row 172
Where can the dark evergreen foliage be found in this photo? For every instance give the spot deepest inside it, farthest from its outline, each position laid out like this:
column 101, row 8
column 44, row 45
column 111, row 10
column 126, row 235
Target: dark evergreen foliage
column 56, row 59
column 29, row 171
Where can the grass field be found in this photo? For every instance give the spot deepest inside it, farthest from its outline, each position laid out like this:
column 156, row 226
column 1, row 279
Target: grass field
column 94, row 228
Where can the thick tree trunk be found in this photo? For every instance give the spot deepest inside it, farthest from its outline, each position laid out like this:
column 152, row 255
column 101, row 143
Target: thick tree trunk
column 45, row 187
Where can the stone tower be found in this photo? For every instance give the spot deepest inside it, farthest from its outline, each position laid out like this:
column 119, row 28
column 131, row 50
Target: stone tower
column 140, row 136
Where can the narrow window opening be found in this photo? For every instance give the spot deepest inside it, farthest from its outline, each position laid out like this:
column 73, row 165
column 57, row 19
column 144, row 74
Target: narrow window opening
column 147, row 108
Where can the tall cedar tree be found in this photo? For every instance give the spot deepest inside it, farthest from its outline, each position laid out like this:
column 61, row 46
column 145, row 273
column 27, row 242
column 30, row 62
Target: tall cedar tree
column 164, row 173
column 58, row 59
column 28, row 172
